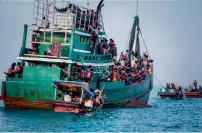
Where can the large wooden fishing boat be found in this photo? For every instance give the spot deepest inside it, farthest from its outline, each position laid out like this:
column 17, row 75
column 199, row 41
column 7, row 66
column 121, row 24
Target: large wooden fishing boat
column 67, row 25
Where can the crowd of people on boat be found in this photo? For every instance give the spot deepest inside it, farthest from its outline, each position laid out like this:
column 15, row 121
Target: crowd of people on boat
column 194, row 88
column 87, row 100
column 173, row 86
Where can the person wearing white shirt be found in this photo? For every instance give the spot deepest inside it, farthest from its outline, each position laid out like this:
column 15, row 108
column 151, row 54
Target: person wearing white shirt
column 67, row 98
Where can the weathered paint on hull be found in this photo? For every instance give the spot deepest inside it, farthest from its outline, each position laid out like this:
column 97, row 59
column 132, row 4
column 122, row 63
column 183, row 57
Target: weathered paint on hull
column 15, row 103
column 118, row 96
column 24, row 104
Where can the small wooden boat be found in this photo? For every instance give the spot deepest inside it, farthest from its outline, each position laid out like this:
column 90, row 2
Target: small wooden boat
column 78, row 105
column 193, row 95
column 170, row 93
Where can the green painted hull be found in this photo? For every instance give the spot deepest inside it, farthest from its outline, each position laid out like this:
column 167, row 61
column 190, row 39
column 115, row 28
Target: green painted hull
column 38, row 91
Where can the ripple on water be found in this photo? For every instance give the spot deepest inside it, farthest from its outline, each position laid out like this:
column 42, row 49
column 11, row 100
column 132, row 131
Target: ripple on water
column 159, row 115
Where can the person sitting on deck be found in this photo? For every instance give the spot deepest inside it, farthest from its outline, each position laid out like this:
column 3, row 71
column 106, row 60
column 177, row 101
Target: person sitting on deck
column 67, row 97
column 11, row 71
column 49, row 51
column 18, row 70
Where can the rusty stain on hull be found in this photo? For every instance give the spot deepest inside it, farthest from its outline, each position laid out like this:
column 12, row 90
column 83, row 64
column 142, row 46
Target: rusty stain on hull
column 22, row 103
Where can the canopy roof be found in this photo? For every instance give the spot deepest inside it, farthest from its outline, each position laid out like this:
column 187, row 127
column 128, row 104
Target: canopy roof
column 66, row 85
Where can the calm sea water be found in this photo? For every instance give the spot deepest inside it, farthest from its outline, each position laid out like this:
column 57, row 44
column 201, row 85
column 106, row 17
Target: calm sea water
column 159, row 115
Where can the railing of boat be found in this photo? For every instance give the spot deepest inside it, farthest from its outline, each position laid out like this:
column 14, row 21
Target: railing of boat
column 75, row 16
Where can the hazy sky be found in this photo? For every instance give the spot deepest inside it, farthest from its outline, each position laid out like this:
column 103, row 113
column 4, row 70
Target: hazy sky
column 172, row 30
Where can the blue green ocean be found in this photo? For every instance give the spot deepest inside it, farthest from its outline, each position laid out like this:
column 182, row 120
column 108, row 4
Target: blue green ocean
column 160, row 115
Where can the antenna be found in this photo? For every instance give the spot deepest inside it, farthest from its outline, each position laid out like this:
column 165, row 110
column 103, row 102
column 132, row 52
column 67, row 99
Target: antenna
column 137, row 8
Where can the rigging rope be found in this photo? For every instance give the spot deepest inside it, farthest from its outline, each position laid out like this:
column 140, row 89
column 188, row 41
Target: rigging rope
column 149, row 57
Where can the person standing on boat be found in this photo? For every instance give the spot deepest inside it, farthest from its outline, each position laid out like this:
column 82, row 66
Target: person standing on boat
column 105, row 46
column 200, row 90
column 195, row 84
column 94, row 38
column 73, row 72
column 121, row 56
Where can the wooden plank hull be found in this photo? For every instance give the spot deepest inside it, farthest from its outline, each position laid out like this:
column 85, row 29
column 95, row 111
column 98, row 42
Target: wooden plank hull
column 117, row 95
column 165, row 95
column 193, row 95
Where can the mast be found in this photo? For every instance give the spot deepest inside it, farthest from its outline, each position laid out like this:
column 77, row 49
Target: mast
column 135, row 28
column 98, row 15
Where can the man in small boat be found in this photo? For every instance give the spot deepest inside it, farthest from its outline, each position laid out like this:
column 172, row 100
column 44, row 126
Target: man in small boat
column 179, row 91
column 167, row 85
column 11, row 71
column 200, row 90
column 191, row 89
column 67, row 97
column 97, row 99
column 195, row 84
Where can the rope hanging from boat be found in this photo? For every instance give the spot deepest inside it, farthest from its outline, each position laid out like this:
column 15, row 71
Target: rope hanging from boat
column 149, row 56
column 126, row 43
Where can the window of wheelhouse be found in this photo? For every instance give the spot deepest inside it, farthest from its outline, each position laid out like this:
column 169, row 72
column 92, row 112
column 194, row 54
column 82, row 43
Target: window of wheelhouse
column 84, row 40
